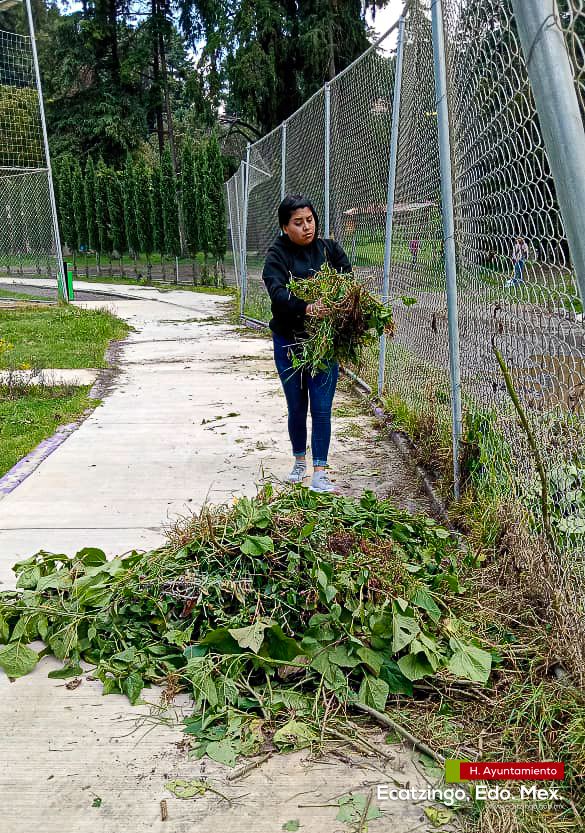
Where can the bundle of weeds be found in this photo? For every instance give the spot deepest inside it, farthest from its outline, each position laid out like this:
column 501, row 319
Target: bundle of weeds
column 268, row 605
column 355, row 319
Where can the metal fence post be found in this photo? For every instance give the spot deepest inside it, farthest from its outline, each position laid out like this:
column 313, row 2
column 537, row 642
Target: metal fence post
column 327, row 159
column 246, row 178
column 283, row 163
column 551, row 77
column 448, row 231
column 61, row 276
column 390, row 196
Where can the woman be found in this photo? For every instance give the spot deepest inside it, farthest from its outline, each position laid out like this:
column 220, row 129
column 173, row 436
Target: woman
column 300, row 252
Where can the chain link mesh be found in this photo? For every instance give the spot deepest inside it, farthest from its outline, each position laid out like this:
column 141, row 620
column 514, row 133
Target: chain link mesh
column 27, row 234
column 516, row 285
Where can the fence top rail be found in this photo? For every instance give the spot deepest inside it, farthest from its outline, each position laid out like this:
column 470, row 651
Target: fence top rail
column 339, row 75
column 14, row 34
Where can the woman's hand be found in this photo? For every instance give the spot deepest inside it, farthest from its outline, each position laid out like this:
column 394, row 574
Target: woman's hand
column 317, row 309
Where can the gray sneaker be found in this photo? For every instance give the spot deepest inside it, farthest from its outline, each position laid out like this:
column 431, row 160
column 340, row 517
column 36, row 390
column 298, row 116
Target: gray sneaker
column 298, row 473
column 321, row 483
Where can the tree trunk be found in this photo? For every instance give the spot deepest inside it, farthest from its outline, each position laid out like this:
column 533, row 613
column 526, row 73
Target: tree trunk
column 156, row 75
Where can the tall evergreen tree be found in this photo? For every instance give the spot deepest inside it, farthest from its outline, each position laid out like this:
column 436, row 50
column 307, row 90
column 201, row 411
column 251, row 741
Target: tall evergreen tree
column 158, row 230
column 101, row 208
column 116, row 212
column 129, row 201
column 172, row 244
column 204, row 210
column 66, row 215
column 189, row 197
column 90, row 205
column 217, row 232
column 79, row 209
column 142, row 205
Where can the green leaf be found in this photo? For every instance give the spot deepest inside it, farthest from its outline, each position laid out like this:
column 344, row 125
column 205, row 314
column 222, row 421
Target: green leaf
column 307, row 530
column 340, row 656
column 277, row 645
column 374, row 692
column 97, row 802
column 397, row 682
column 54, row 581
column 292, row 825
column 469, row 662
column 352, row 808
column 405, row 628
column 422, row 598
column 4, row 629
column 438, row 816
column 28, row 578
column 132, row 686
column 17, row 660
column 183, row 788
column 251, row 637
column 295, row 735
column 372, row 659
column 91, row 557
column 221, row 641
column 257, row 545
column 415, row 666
column 223, row 751
column 65, row 672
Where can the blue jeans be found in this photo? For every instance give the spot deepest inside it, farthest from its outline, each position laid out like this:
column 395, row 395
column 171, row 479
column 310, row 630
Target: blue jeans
column 300, row 388
column 518, row 271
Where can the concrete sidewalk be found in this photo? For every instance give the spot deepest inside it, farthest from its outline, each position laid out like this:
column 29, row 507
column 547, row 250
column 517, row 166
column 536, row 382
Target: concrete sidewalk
column 195, row 413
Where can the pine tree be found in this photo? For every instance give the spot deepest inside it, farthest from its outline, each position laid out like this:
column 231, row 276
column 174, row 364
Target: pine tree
column 79, row 210
column 158, row 231
column 172, row 243
column 142, row 210
column 202, row 199
column 66, row 215
column 90, row 206
column 217, row 233
column 116, row 212
column 128, row 198
column 101, row 208
column 189, row 197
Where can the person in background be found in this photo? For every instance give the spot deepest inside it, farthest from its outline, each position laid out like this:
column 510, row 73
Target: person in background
column 300, row 252
column 414, row 247
column 519, row 258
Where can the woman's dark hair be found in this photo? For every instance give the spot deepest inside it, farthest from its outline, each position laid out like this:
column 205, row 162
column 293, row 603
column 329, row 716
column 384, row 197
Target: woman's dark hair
column 290, row 204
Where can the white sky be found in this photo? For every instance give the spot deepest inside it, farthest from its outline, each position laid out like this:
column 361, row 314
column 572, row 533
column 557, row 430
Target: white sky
column 385, row 18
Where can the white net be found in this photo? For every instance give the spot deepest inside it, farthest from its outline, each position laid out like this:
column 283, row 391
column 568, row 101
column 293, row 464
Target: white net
column 27, row 232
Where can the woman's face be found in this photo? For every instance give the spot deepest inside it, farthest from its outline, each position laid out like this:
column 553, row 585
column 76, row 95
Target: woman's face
column 301, row 227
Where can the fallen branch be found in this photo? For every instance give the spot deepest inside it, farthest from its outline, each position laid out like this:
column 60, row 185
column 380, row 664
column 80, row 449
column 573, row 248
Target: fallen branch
column 384, row 720
column 244, row 770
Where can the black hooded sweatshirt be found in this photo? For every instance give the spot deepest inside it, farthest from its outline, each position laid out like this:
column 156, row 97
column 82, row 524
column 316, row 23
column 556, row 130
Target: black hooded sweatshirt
column 285, row 260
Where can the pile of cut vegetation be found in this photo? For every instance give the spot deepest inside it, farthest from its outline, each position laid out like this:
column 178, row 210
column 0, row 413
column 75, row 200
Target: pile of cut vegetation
column 266, row 608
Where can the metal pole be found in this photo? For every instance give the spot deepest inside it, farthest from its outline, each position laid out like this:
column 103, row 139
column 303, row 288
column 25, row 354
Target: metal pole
column 553, row 84
column 229, row 202
column 61, row 276
column 246, row 174
column 390, row 195
column 327, row 159
column 283, row 163
column 448, row 231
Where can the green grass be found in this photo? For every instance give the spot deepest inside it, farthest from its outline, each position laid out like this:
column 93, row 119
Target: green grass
column 28, row 416
column 58, row 337
column 20, row 296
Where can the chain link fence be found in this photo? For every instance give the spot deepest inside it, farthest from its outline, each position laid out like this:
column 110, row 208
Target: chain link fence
column 517, row 291
column 28, row 238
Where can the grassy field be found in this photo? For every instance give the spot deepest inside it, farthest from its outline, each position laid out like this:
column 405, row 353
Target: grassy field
column 47, row 337
column 162, row 287
column 57, row 337
column 20, row 296
column 28, row 416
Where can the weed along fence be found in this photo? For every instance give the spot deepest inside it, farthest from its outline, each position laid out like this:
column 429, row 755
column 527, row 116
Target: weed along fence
column 29, row 233
column 451, row 167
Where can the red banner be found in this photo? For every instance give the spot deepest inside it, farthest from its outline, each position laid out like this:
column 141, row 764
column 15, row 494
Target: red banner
column 512, row 771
